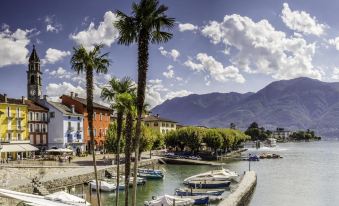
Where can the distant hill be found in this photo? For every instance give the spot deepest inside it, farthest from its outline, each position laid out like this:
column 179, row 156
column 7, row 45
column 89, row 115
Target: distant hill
column 301, row 103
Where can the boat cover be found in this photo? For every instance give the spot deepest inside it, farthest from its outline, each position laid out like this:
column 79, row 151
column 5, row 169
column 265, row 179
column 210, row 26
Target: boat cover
column 167, row 200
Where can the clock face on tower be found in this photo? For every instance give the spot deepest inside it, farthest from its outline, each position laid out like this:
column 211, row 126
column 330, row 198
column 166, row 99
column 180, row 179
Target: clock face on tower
column 33, row 92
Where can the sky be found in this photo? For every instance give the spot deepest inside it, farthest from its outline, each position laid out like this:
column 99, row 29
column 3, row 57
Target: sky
column 217, row 45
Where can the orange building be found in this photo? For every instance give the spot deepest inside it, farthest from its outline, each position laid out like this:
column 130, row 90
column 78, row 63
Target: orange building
column 101, row 119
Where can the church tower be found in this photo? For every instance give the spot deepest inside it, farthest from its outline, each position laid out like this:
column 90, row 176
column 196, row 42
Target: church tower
column 34, row 77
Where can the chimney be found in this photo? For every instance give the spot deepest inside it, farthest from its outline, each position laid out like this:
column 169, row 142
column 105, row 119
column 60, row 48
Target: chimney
column 72, row 93
column 75, row 94
column 73, row 108
column 5, row 95
column 23, row 99
column 45, row 97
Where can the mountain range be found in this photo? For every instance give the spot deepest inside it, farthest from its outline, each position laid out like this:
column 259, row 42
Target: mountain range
column 295, row 104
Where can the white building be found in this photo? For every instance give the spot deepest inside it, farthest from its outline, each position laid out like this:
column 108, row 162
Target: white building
column 281, row 134
column 65, row 128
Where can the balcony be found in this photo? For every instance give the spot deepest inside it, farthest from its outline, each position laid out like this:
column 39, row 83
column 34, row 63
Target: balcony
column 20, row 129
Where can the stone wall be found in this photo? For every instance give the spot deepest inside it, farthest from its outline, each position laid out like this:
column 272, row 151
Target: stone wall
column 243, row 193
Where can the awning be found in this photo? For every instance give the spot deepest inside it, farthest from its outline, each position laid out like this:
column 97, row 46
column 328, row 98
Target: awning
column 18, row 148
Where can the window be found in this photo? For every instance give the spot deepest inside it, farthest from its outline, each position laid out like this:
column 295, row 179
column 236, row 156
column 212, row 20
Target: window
column 147, row 124
column 163, row 124
column 89, row 131
column 155, row 124
column 163, row 131
column 18, row 123
column 167, row 125
column 18, row 112
column 9, row 136
column 172, row 125
column 19, row 136
column 36, row 116
column 100, row 132
column 95, row 132
column 30, row 116
column 94, row 115
column 8, row 112
column 100, row 116
column 69, row 117
column 79, row 126
column 69, row 126
column 52, row 114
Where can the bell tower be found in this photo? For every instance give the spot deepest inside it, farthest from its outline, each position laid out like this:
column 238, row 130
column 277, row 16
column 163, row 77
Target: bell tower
column 34, row 77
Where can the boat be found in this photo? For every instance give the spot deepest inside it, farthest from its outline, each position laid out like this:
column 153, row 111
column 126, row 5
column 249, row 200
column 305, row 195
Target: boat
column 252, row 158
column 198, row 200
column 198, row 192
column 208, row 184
column 104, row 186
column 168, row 200
column 55, row 199
column 269, row 156
column 150, row 174
column 213, row 175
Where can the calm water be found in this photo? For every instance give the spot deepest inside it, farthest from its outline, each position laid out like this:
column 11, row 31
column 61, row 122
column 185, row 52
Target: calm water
column 307, row 175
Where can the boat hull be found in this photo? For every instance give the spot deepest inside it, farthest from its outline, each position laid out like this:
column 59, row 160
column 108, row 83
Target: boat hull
column 209, row 185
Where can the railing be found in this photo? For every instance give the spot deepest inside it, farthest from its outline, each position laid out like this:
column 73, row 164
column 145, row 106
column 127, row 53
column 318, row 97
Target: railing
column 70, row 129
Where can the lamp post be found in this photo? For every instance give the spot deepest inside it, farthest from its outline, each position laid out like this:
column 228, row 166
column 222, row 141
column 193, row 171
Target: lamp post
column 249, row 162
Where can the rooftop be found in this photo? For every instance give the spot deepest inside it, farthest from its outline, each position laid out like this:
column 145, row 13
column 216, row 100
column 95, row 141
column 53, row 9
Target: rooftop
column 152, row 118
column 64, row 109
column 10, row 100
column 84, row 102
column 35, row 106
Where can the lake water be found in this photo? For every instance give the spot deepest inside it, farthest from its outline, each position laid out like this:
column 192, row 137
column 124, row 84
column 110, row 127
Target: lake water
column 307, row 175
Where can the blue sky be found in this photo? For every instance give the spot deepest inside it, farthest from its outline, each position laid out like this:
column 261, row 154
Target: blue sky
column 218, row 46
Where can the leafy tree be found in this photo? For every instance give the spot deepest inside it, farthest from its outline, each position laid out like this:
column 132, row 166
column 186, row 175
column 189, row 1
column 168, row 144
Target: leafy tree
column 143, row 27
column 116, row 87
column 213, row 139
column 88, row 62
column 111, row 143
column 232, row 125
column 257, row 133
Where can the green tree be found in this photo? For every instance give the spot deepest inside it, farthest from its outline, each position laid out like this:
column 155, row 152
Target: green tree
column 108, row 93
column 88, row 62
column 111, row 142
column 213, row 139
column 143, row 27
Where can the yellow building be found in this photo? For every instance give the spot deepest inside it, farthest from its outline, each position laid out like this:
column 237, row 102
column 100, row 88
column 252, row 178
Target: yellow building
column 13, row 129
column 160, row 124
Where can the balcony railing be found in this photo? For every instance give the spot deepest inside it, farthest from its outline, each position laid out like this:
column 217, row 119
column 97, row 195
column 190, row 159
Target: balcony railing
column 70, row 129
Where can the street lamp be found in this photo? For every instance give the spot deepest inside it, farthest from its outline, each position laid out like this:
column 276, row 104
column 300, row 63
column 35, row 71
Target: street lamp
column 249, row 162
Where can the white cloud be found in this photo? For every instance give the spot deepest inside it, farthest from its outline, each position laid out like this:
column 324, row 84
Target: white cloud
column 301, row 21
column 105, row 33
column 61, row 73
column 215, row 69
column 187, row 27
column 334, row 42
column 179, row 93
column 52, row 25
column 174, row 54
column 13, row 46
column 262, row 49
column 169, row 74
column 335, row 73
column 54, row 55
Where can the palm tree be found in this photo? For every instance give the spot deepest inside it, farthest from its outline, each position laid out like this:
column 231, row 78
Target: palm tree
column 128, row 101
column 110, row 93
column 143, row 27
column 88, row 62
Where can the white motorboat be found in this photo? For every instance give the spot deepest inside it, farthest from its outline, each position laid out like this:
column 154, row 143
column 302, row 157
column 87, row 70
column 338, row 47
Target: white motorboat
column 213, row 175
column 103, row 186
column 168, row 200
column 67, row 198
column 37, row 200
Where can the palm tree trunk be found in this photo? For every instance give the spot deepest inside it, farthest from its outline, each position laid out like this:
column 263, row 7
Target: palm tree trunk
column 119, row 131
column 89, row 88
column 142, row 78
column 129, row 131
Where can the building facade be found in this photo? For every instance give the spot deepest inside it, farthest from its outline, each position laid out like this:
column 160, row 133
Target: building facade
column 160, row 124
column 65, row 127
column 38, row 125
column 13, row 129
column 101, row 120
column 281, row 134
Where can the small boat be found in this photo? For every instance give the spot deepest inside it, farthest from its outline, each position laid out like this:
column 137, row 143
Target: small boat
column 198, row 192
column 103, row 186
column 150, row 174
column 168, row 200
column 252, row 158
column 198, row 200
column 208, row 184
column 213, row 175
column 66, row 198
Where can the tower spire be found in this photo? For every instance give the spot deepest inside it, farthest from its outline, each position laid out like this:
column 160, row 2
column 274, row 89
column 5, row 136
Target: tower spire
column 34, row 56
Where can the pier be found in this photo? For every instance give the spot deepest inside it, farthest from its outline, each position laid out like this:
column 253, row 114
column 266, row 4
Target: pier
column 243, row 193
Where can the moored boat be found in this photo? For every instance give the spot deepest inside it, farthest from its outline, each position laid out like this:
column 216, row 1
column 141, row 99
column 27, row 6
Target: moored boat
column 208, row 184
column 150, row 174
column 103, row 186
column 168, row 200
column 213, row 175
column 198, row 192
